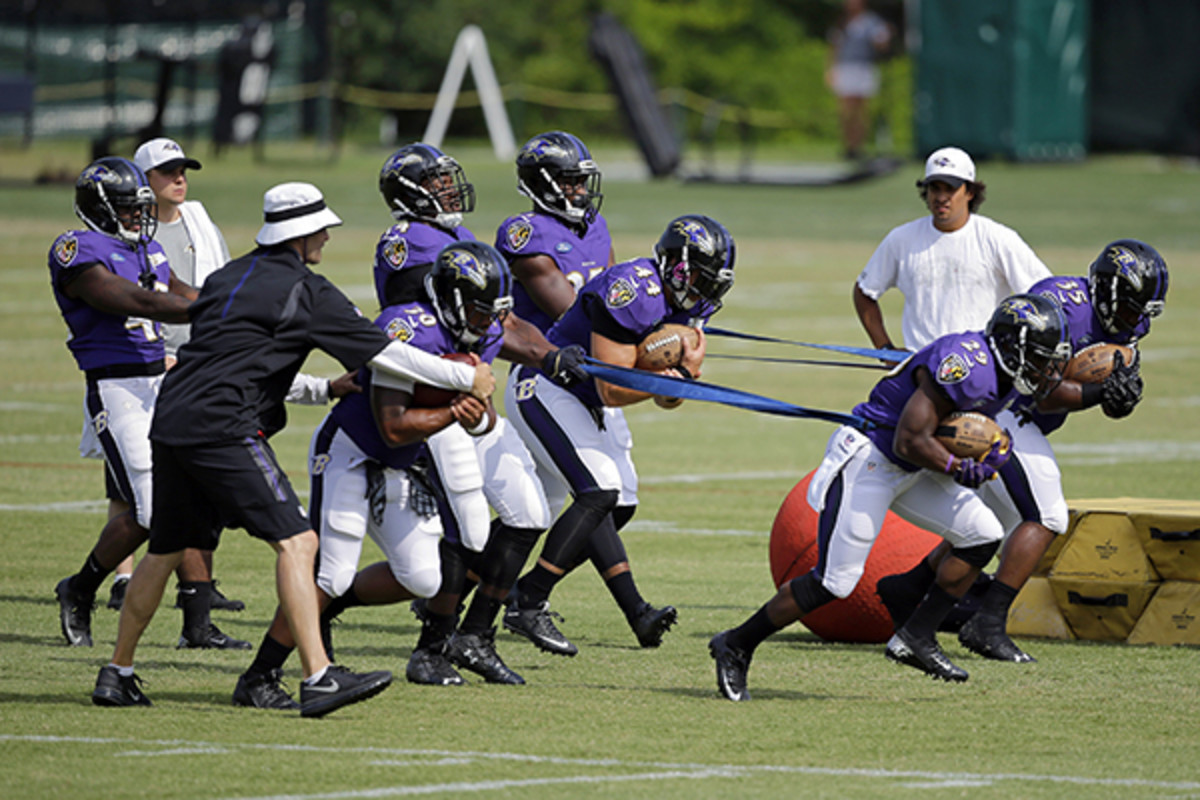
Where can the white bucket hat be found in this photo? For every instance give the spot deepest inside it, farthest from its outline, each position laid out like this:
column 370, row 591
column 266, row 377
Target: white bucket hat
column 292, row 211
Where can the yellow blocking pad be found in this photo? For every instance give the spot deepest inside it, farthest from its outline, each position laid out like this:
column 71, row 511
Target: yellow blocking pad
column 1103, row 546
column 1035, row 612
column 1103, row 611
column 1172, row 617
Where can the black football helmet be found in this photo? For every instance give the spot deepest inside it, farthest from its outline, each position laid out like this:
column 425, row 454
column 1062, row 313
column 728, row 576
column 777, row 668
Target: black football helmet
column 422, row 182
column 1128, row 283
column 695, row 258
column 470, row 288
column 556, row 171
column 1029, row 338
column 111, row 188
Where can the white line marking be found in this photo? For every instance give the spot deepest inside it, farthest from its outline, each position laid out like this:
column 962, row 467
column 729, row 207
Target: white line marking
column 660, row 771
column 662, row 526
column 74, row 506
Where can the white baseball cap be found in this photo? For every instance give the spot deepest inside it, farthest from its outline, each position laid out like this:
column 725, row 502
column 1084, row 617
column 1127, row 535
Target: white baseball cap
column 292, row 211
column 949, row 165
column 162, row 153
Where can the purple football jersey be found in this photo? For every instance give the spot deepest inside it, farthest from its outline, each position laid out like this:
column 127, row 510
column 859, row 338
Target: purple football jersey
column 624, row 302
column 415, row 324
column 579, row 255
column 1084, row 329
column 962, row 366
column 411, row 243
column 98, row 338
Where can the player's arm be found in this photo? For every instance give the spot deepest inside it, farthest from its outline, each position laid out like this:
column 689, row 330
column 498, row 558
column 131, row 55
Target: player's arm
column 523, row 342
column 871, row 317
column 621, row 355
column 176, row 286
column 112, row 294
column 400, row 424
column 545, row 282
column 914, row 440
column 408, row 363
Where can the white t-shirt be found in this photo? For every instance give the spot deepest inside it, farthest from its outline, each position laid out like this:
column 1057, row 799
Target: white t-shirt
column 950, row 281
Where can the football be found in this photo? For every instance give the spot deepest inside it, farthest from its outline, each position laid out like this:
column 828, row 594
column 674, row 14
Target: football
column 1094, row 363
column 426, row 396
column 663, row 347
column 968, row 434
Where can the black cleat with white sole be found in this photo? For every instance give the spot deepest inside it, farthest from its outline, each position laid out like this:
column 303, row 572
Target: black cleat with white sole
column 429, row 667
column 650, row 623
column 985, row 636
column 115, row 691
column 537, row 625
column 732, row 666
column 340, row 687
column 263, row 690
column 74, row 614
column 477, row 653
column 925, row 655
column 211, row 639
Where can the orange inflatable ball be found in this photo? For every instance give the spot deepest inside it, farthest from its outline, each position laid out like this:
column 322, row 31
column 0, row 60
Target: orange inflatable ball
column 860, row 617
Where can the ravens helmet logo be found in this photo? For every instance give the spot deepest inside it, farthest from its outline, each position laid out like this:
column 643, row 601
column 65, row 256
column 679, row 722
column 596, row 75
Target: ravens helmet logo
column 65, row 249
column 537, row 149
column 696, row 235
column 467, row 267
column 1127, row 266
column 518, row 234
column 396, row 252
column 620, row 294
column 1021, row 309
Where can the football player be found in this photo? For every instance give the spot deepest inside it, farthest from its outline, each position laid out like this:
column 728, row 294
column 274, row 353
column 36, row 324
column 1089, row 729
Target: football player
column 1125, row 288
column 900, row 465
column 578, row 434
column 114, row 286
column 372, row 473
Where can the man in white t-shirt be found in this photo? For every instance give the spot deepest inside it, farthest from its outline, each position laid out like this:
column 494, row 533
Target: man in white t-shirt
column 953, row 267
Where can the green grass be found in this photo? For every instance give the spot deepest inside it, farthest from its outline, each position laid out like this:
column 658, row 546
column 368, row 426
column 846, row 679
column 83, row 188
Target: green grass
column 827, row 720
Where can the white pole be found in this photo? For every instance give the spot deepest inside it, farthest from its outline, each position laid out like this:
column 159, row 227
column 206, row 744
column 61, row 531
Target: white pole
column 470, row 49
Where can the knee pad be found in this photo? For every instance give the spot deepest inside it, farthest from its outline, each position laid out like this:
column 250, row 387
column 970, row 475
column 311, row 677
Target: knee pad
column 622, row 515
column 454, row 558
column 423, row 580
column 809, row 593
column 337, row 582
column 977, row 556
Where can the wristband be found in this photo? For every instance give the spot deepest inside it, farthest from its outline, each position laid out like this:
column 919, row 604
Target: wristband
column 481, row 428
column 329, row 392
column 683, row 372
column 1091, row 394
column 950, row 464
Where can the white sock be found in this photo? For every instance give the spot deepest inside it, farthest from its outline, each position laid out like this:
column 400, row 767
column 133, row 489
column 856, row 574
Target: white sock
column 316, row 676
column 122, row 576
column 124, row 672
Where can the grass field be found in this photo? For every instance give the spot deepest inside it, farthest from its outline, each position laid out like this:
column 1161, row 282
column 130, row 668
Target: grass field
column 827, row 720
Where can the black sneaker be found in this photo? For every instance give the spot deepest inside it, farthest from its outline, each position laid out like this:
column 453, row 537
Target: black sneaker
column 74, row 614
column 340, row 687
column 537, row 625
column 430, row 668
column 986, row 636
column 113, row 690
column 212, row 639
column 222, row 603
column 732, row 666
column 477, row 652
column 116, row 595
column 650, row 623
column 925, row 655
column 263, row 690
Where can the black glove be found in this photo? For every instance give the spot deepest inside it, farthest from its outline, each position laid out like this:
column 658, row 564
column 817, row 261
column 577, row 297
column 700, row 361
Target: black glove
column 1122, row 389
column 565, row 366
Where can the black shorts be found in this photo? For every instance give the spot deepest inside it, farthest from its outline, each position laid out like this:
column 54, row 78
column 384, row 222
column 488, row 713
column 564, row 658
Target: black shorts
column 198, row 490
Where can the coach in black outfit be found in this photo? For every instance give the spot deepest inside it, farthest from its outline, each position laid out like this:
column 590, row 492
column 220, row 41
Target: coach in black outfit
column 254, row 324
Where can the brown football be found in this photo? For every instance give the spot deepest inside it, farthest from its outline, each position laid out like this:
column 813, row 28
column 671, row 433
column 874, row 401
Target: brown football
column 968, row 434
column 1094, row 363
column 426, row 396
column 663, row 347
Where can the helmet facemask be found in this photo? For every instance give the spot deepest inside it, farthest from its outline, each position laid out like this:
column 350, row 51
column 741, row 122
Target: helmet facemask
column 438, row 193
column 1030, row 348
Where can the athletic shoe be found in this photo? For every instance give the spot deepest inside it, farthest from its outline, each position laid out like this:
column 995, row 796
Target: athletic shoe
column 477, row 652
column 925, row 655
column 113, row 690
column 263, row 690
column 898, row 598
column 732, row 666
column 985, row 635
column 212, row 639
column 222, row 603
column 116, row 596
column 537, row 625
column 431, row 668
column 651, row 623
column 340, row 687
column 74, row 614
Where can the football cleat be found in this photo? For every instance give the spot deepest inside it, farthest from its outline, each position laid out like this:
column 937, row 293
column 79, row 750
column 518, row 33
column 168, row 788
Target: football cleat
column 340, row 687
column 223, row 603
column 925, row 655
column 113, row 690
column 74, row 614
column 116, row 595
column 477, row 652
column 650, row 623
column 263, row 690
column 985, row 636
column 732, row 666
column 430, row 668
column 537, row 625
column 212, row 639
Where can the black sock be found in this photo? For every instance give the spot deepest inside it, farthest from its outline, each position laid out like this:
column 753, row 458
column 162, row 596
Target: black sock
column 481, row 613
column 751, row 633
column 348, row 599
column 916, row 581
column 89, row 578
column 195, row 598
column 930, row 613
column 626, row 593
column 998, row 600
column 534, row 589
column 435, row 631
column 271, row 656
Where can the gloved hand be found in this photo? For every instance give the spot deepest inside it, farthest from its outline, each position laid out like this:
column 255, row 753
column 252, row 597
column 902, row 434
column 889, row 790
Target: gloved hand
column 973, row 474
column 1122, row 389
column 565, row 366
